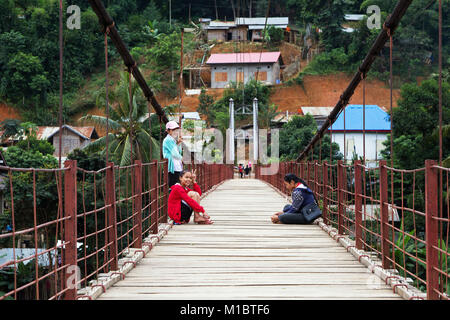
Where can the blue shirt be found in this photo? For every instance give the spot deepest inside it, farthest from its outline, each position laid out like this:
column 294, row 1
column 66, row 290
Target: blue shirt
column 171, row 151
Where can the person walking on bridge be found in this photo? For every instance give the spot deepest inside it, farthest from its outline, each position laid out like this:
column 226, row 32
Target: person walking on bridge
column 302, row 196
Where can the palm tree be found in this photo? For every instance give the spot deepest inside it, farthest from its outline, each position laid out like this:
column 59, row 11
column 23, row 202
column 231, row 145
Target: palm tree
column 129, row 137
column 10, row 128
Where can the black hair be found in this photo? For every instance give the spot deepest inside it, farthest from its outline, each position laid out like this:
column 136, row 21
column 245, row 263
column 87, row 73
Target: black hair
column 292, row 177
column 182, row 173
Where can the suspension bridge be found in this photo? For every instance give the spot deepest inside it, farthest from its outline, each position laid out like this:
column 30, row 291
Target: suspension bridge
column 107, row 235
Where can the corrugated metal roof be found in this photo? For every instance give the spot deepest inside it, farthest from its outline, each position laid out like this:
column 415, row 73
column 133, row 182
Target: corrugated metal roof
column 317, row 111
column 6, row 255
column 48, row 132
column 220, row 25
column 349, row 30
column 262, row 21
column 261, row 27
column 237, row 58
column 376, row 119
column 354, row 17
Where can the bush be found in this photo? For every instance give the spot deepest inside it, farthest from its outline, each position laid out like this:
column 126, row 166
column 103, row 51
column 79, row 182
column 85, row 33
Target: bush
column 329, row 62
column 33, row 144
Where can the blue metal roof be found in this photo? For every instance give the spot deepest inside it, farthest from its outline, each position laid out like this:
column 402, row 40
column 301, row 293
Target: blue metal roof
column 376, row 118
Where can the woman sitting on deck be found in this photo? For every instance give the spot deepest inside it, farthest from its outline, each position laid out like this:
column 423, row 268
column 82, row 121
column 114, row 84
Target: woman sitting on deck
column 301, row 196
column 183, row 201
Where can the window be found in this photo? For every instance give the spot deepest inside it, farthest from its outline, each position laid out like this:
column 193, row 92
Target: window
column 239, row 76
column 221, row 77
column 262, row 76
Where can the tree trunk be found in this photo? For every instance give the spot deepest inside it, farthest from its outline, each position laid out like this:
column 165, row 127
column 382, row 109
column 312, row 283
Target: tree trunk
column 234, row 9
column 217, row 13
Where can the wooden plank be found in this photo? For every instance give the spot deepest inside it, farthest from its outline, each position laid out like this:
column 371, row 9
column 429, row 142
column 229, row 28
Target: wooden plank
column 244, row 256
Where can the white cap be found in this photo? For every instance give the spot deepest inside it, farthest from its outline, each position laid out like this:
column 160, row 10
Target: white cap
column 171, row 125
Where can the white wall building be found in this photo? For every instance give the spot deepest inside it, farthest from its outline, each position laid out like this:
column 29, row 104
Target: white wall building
column 377, row 128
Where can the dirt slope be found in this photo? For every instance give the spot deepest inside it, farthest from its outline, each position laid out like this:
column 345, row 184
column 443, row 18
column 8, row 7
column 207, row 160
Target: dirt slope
column 324, row 91
column 7, row 112
column 317, row 91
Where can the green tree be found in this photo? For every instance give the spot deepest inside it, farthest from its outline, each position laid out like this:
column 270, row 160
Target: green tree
column 166, row 51
column 296, row 135
column 130, row 137
column 274, row 35
column 205, row 106
column 27, row 77
column 415, row 122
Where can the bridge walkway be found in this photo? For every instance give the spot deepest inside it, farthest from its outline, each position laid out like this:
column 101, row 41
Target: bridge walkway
column 244, row 256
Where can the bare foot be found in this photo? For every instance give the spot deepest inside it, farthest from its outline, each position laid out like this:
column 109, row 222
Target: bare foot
column 208, row 221
column 206, row 216
column 198, row 218
column 275, row 218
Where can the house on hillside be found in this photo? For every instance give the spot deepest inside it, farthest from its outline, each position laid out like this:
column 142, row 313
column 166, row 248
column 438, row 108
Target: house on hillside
column 377, row 127
column 242, row 67
column 351, row 22
column 241, row 29
column 225, row 31
column 72, row 137
column 320, row 114
column 255, row 26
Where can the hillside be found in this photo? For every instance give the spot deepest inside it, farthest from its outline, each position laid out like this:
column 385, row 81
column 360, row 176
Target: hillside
column 319, row 91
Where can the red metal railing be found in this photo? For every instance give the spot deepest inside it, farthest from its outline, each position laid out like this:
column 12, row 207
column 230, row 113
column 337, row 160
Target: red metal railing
column 402, row 216
column 63, row 221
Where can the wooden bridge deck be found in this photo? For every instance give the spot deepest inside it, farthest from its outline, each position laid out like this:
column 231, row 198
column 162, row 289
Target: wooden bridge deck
column 244, row 256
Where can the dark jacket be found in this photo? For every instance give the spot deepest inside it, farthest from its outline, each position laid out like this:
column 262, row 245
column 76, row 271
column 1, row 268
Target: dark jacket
column 301, row 196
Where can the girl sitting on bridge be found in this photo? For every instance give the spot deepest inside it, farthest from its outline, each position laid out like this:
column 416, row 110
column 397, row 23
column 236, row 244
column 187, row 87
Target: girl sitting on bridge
column 183, row 201
column 301, row 196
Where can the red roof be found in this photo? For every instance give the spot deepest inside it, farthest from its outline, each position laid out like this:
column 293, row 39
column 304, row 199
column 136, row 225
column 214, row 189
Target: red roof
column 238, row 58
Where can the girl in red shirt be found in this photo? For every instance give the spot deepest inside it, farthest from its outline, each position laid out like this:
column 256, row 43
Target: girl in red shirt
column 183, row 201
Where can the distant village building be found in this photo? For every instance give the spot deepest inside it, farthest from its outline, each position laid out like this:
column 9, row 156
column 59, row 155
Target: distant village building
column 242, row 67
column 225, row 31
column 242, row 29
column 351, row 22
column 255, row 26
column 376, row 130
column 72, row 137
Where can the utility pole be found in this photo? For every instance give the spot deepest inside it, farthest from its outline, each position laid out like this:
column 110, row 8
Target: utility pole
column 170, row 12
column 181, row 76
column 234, row 9
column 190, row 20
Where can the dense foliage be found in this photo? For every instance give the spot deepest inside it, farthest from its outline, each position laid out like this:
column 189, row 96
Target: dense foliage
column 296, row 135
column 415, row 141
